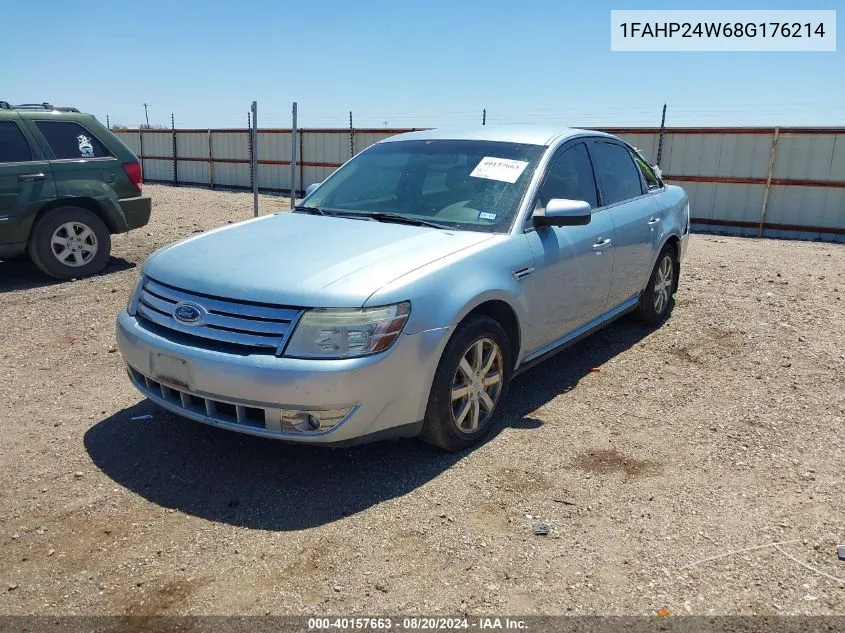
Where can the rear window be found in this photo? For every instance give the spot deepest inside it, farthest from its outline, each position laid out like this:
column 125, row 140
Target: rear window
column 71, row 140
column 13, row 145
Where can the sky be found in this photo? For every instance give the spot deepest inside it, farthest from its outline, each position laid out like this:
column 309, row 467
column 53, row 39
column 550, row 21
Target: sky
column 398, row 64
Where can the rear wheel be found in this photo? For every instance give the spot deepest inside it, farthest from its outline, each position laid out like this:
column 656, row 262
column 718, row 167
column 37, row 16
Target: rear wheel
column 470, row 386
column 70, row 242
column 657, row 300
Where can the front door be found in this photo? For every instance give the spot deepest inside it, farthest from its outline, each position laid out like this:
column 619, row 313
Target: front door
column 574, row 264
column 26, row 181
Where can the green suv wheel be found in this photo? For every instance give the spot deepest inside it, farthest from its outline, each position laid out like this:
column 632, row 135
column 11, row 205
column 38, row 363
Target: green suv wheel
column 70, row 242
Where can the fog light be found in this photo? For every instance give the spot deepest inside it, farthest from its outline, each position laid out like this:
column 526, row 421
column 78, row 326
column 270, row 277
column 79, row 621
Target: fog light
column 306, row 422
column 312, row 420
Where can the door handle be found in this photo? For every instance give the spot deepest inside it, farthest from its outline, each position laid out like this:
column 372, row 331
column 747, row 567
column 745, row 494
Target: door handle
column 653, row 222
column 601, row 244
column 28, row 177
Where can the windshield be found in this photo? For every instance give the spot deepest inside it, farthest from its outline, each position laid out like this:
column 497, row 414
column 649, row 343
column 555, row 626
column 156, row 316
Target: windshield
column 468, row 185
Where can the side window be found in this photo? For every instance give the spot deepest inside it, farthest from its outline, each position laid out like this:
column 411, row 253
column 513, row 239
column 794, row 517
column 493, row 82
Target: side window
column 651, row 179
column 13, row 145
column 620, row 178
column 70, row 140
column 570, row 176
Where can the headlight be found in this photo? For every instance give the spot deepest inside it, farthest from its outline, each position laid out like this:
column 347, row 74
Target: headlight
column 132, row 304
column 347, row 333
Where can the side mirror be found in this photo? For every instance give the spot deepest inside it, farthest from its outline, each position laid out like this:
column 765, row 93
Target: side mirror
column 310, row 188
column 562, row 212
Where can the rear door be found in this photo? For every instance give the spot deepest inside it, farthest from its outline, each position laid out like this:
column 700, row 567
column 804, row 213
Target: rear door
column 82, row 164
column 634, row 213
column 26, row 181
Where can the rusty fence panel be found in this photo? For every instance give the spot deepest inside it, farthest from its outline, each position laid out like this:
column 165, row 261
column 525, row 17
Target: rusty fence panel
column 775, row 182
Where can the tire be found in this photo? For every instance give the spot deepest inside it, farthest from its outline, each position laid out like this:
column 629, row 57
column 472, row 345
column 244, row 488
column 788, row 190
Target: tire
column 657, row 300
column 455, row 424
column 60, row 254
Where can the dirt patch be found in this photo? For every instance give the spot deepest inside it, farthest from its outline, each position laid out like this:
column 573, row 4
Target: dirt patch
column 519, row 480
column 712, row 345
column 162, row 600
column 610, row 461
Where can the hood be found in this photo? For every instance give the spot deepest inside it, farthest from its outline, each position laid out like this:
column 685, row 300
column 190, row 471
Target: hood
column 303, row 260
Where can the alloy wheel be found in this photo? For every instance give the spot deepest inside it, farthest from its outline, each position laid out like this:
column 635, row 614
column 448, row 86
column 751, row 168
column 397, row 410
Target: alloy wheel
column 663, row 284
column 74, row 244
column 477, row 385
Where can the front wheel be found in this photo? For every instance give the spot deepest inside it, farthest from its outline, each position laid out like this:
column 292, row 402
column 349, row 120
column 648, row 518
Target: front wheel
column 657, row 300
column 470, row 386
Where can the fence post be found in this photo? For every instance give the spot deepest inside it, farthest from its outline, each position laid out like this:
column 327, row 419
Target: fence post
column 301, row 160
column 293, row 158
column 175, row 166
column 768, row 182
column 351, row 137
column 254, row 158
column 660, row 140
column 141, row 150
column 249, row 143
column 210, row 160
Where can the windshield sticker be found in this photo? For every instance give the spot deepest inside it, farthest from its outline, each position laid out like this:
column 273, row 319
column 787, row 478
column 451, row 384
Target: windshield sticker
column 86, row 150
column 483, row 215
column 501, row 169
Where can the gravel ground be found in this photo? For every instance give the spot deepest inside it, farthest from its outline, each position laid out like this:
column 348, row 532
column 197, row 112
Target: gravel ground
column 644, row 452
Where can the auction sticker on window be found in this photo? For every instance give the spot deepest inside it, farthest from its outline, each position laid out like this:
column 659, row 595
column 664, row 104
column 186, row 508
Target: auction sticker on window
column 502, row 169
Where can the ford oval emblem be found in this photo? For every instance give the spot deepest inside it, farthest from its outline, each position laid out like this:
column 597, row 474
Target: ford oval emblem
column 189, row 313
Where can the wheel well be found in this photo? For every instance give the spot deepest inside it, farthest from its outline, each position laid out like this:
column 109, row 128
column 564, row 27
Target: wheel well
column 675, row 244
column 86, row 203
column 502, row 313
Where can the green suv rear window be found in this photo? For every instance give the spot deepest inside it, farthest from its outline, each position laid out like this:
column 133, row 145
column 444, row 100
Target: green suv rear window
column 71, row 140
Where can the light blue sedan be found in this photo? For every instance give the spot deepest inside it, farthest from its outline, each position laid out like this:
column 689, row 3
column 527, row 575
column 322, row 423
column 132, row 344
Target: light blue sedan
column 406, row 291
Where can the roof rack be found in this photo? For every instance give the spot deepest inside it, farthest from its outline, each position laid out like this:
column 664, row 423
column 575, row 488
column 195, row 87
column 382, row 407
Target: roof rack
column 42, row 106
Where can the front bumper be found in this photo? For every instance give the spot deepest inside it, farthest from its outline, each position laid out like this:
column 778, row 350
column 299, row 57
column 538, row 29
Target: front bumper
column 136, row 211
column 385, row 392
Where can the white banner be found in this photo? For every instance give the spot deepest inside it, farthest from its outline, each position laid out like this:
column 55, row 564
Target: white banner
column 708, row 30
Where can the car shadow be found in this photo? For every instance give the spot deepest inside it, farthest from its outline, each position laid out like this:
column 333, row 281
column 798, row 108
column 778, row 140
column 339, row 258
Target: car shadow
column 22, row 274
column 257, row 483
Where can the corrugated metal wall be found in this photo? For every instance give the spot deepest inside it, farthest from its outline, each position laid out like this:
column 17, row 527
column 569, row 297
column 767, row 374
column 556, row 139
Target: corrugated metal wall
column 725, row 171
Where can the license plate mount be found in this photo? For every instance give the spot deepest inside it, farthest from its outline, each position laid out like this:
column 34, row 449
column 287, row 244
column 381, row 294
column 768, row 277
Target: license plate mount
column 171, row 371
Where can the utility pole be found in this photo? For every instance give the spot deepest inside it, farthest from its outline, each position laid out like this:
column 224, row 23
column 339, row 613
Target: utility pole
column 660, row 140
column 108, row 124
column 484, row 116
column 146, row 116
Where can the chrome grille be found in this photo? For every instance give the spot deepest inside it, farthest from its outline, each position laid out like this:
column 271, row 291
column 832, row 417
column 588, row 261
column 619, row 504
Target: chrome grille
column 252, row 325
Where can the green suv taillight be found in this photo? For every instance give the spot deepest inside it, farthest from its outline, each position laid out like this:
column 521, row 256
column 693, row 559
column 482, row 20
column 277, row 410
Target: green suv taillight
column 133, row 170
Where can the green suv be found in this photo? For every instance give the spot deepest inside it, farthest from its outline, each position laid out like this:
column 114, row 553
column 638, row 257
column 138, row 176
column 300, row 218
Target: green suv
column 66, row 184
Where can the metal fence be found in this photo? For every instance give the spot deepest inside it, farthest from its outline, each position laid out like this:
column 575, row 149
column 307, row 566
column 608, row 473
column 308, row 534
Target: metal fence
column 772, row 182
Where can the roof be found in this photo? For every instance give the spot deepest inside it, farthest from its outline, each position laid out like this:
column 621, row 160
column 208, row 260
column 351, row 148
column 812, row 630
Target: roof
column 531, row 134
